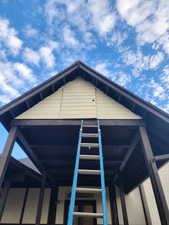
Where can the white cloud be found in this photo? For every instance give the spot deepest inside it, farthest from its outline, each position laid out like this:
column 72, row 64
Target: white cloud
column 140, row 62
column 47, row 56
column 102, row 68
column 118, row 37
column 8, row 36
column 123, row 78
column 165, row 76
column 155, row 60
column 103, row 18
column 25, row 72
column 85, row 15
column 157, row 89
column 31, row 56
column 29, row 31
column 53, row 45
column 4, row 99
column 149, row 18
column 69, row 37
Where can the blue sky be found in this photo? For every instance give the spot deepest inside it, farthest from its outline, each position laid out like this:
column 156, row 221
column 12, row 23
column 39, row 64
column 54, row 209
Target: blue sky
column 125, row 40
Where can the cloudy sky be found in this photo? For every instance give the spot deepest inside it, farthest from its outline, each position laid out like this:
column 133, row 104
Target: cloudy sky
column 125, row 40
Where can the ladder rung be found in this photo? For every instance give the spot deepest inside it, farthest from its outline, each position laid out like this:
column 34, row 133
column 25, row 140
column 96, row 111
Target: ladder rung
column 90, row 125
column 89, row 172
column 90, row 135
column 90, row 157
column 90, row 145
column 86, row 214
column 88, row 190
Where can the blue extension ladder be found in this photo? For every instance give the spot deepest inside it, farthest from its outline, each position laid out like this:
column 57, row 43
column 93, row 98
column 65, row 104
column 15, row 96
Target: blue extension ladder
column 78, row 171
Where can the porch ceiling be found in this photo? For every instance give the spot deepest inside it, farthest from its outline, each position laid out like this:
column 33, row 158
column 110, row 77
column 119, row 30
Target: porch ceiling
column 55, row 147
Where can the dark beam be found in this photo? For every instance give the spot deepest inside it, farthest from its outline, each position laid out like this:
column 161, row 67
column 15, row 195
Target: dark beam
column 31, row 154
column 123, row 206
column 154, row 177
column 161, row 157
column 113, row 205
column 53, row 205
column 145, row 205
column 40, row 201
column 24, row 204
column 3, row 196
column 6, row 154
column 59, row 122
column 127, row 156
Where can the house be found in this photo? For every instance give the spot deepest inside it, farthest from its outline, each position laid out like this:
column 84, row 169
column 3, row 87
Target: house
column 76, row 127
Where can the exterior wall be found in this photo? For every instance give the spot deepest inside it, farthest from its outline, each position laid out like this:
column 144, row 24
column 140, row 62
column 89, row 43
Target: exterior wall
column 14, row 205
column 134, row 208
column 78, row 99
column 62, row 197
column 163, row 172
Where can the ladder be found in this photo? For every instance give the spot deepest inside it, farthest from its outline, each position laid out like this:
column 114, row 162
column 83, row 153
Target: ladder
column 78, row 171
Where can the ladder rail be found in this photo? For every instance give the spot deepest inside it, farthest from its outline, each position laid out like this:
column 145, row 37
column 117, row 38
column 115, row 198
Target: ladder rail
column 104, row 205
column 75, row 178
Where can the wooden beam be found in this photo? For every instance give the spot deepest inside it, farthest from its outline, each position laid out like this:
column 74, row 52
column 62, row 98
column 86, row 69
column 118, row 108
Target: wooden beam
column 123, row 206
column 6, row 154
column 3, row 196
column 161, row 157
column 145, row 205
column 32, row 155
column 40, row 201
column 24, row 204
column 59, row 122
column 154, row 177
column 113, row 205
column 53, row 205
column 127, row 156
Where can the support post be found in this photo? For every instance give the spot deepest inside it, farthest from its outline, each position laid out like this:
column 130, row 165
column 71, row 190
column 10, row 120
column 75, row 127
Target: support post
column 3, row 196
column 40, row 202
column 24, row 204
column 6, row 154
column 145, row 206
column 123, row 206
column 114, row 212
column 154, row 177
column 53, row 205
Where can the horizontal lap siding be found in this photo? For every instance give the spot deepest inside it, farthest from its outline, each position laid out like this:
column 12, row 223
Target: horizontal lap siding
column 107, row 108
column 78, row 99
column 13, row 206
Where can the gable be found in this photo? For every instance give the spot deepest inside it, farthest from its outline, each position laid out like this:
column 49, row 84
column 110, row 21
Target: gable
column 78, row 99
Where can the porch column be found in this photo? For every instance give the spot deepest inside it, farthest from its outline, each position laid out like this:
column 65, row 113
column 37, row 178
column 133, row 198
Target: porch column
column 113, row 204
column 123, row 206
column 154, row 177
column 145, row 205
column 3, row 196
column 6, row 154
column 40, row 201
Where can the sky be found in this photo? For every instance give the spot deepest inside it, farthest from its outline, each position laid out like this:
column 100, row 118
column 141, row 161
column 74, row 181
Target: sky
column 125, row 40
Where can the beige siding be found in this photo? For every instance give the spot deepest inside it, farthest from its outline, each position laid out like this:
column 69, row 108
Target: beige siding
column 163, row 172
column 119, row 208
column 31, row 206
column 78, row 99
column 135, row 208
column 13, row 207
column 45, row 208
